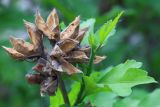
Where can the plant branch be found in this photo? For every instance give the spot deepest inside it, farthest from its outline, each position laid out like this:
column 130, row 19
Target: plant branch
column 63, row 90
column 89, row 71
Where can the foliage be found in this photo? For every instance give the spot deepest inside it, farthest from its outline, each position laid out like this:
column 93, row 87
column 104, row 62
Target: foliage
column 117, row 81
column 137, row 37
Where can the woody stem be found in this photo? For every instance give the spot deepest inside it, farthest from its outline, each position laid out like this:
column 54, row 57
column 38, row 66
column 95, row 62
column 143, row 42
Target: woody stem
column 63, row 90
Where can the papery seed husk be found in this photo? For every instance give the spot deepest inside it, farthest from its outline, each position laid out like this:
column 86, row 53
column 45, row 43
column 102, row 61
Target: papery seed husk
column 49, row 86
column 81, row 34
column 14, row 53
column 52, row 20
column 68, row 67
column 67, row 45
column 72, row 30
column 85, row 49
column 98, row 59
column 56, row 66
column 56, row 52
column 34, row 78
column 21, row 46
column 41, row 25
column 76, row 56
column 34, row 34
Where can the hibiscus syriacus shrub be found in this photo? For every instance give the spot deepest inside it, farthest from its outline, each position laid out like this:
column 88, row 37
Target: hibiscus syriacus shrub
column 65, row 71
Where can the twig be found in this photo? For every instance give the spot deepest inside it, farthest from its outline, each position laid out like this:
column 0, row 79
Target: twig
column 63, row 90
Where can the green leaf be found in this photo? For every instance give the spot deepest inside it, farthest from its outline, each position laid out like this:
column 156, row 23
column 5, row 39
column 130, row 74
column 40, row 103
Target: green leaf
column 74, row 92
column 131, row 78
column 122, row 78
column 92, row 87
column 119, row 79
column 142, row 99
column 133, row 100
column 152, row 100
column 92, row 41
column 118, row 71
column 107, row 30
column 101, row 99
column 81, row 105
column 57, row 100
column 62, row 25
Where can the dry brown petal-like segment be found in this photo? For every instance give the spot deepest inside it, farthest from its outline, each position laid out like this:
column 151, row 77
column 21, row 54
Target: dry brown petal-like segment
column 98, row 59
column 49, row 86
column 53, row 20
column 81, row 34
column 72, row 30
column 34, row 35
column 85, row 49
column 21, row 46
column 56, row 66
column 41, row 25
column 69, row 68
column 14, row 53
column 56, row 52
column 77, row 56
column 34, row 78
column 67, row 45
column 38, row 68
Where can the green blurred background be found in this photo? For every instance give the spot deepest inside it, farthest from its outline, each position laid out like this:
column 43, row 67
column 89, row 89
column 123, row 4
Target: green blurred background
column 137, row 37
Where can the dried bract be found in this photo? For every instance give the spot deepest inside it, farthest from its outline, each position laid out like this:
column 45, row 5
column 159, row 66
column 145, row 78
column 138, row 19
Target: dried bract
column 65, row 51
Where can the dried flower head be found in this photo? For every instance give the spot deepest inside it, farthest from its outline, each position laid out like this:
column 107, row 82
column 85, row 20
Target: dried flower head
column 66, row 50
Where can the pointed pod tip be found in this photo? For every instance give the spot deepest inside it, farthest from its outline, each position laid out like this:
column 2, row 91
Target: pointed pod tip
column 78, row 18
column 4, row 47
column 54, row 10
column 37, row 12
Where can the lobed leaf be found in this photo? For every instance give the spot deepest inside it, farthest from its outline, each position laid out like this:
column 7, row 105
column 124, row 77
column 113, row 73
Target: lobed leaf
column 119, row 79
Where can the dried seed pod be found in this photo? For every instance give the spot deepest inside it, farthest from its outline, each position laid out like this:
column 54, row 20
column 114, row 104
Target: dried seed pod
column 56, row 66
column 67, row 67
column 38, row 68
column 65, row 50
column 81, row 34
column 34, row 78
column 41, row 25
column 72, row 30
column 49, row 86
column 14, row 53
column 98, row 59
column 52, row 20
column 21, row 46
column 56, row 52
column 34, row 34
column 77, row 56
column 67, row 45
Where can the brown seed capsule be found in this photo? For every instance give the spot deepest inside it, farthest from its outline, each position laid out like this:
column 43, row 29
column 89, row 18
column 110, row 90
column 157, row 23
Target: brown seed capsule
column 69, row 68
column 34, row 78
column 14, row 53
column 65, row 50
column 81, row 34
column 52, row 20
column 41, row 25
column 67, row 45
column 22, row 46
column 72, row 30
column 34, row 34
column 49, row 86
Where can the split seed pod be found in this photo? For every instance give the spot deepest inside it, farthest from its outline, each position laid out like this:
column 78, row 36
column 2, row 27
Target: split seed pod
column 66, row 50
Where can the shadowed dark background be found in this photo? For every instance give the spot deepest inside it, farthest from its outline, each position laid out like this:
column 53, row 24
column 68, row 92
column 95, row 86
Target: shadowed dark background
column 137, row 37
